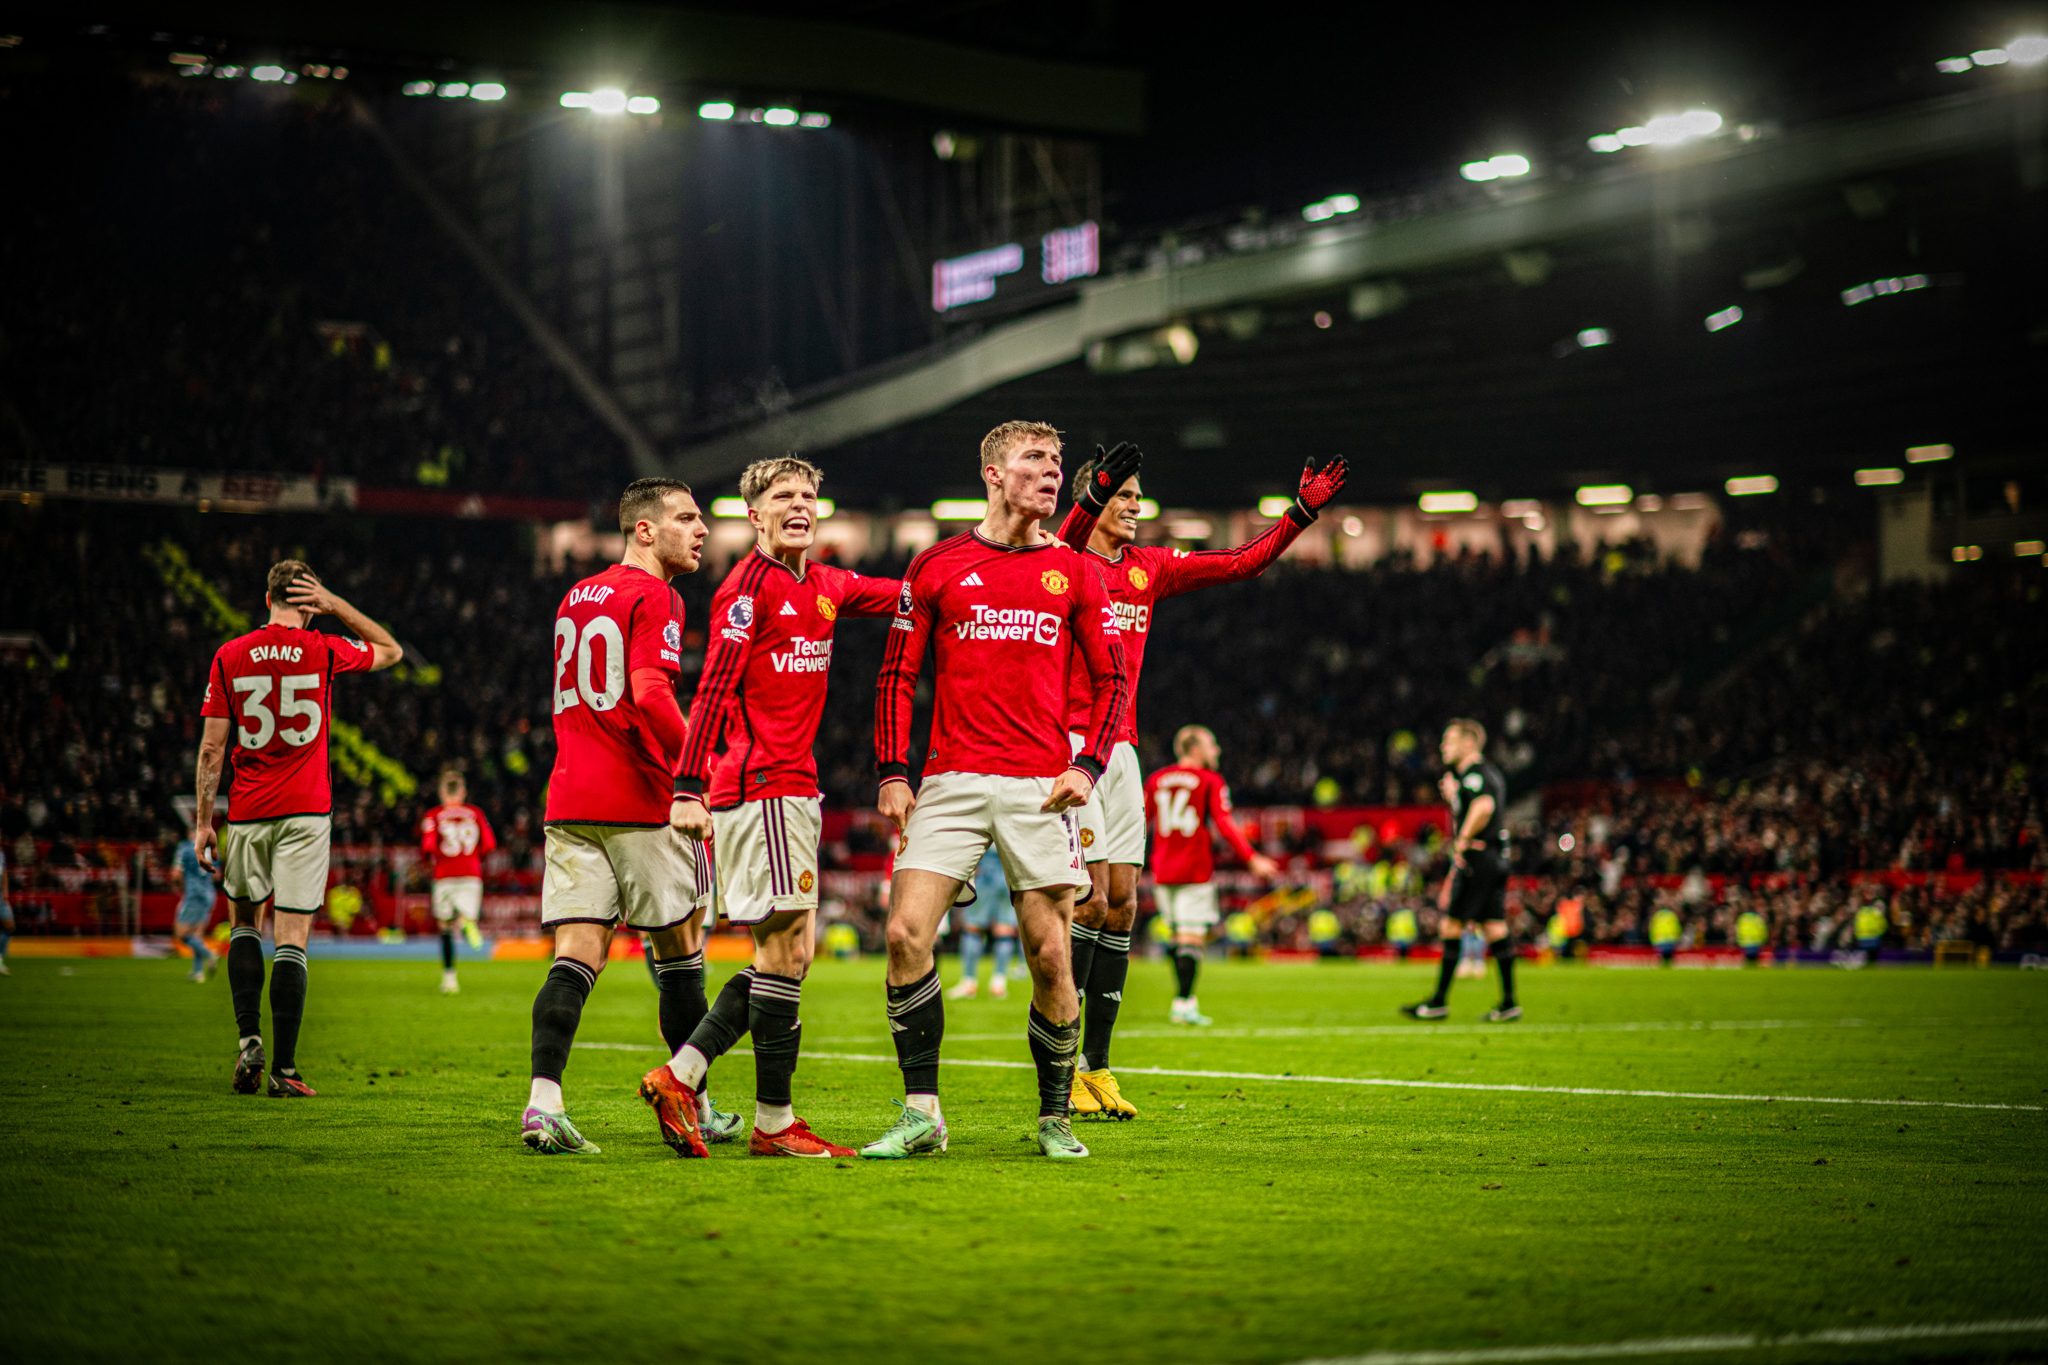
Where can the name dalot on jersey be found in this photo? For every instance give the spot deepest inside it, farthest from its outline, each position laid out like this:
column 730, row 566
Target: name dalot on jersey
column 804, row 656
column 588, row 593
column 1010, row 623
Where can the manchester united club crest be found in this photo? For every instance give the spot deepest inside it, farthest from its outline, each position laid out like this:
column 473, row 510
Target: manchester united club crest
column 1138, row 578
column 827, row 608
column 805, row 882
column 1055, row 582
column 1087, row 837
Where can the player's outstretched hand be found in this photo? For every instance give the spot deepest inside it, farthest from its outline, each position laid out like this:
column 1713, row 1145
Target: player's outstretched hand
column 1319, row 486
column 688, row 817
column 1070, row 789
column 896, row 801
column 202, row 844
column 308, row 594
column 1262, row 866
column 1112, row 467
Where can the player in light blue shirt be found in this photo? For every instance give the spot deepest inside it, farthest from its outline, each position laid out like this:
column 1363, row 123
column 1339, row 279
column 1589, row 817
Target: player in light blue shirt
column 195, row 910
column 991, row 913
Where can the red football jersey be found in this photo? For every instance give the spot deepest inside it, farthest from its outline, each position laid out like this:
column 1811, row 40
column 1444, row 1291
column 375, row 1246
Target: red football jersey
column 609, row 769
column 763, row 686
column 457, row 837
column 1142, row 575
column 275, row 685
column 1005, row 622
column 1181, row 802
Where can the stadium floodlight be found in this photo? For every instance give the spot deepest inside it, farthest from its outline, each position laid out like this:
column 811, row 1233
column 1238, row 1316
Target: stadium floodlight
column 1991, row 56
column 571, row 99
column 643, row 104
column 715, row 109
column 1353, row 526
column 1605, row 142
column 1478, row 170
column 1329, row 208
column 1751, row 486
column 267, row 73
column 227, row 73
column 1605, row 495
column 1633, row 136
column 815, row 121
column 608, row 101
column 188, row 59
column 427, row 88
column 1439, row 503
column 826, row 507
column 1867, row 478
column 1727, row 317
column 2027, row 549
column 728, row 507
column 781, row 118
column 2028, row 51
column 488, row 90
column 1954, row 65
column 1594, row 336
column 1963, row 552
column 1148, row 510
column 453, row 90
column 1274, row 507
column 959, row 509
column 1928, row 454
column 1903, row 284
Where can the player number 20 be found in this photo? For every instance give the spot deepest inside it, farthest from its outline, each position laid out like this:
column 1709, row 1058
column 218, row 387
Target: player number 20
column 587, row 688
column 255, row 693
column 1176, row 812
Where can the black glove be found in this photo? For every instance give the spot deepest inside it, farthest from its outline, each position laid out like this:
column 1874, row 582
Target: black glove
column 1112, row 467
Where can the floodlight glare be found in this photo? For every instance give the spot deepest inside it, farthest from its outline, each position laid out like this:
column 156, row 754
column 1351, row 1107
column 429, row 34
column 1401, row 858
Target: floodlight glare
column 2027, row 548
column 1606, row 495
column 1274, row 507
column 826, row 507
column 1605, row 142
column 1594, row 336
column 643, row 104
column 1866, row 478
column 959, row 509
column 716, row 109
column 607, row 102
column 571, row 99
column 267, row 73
column 1331, row 207
column 1633, row 136
column 1148, row 510
column 2029, row 50
column 1760, row 483
column 1928, row 454
column 1727, row 317
column 1954, row 65
column 1479, row 170
column 1448, row 502
column 1991, row 56
column 816, row 120
column 489, row 90
column 781, row 118
column 1509, row 164
column 427, row 88
column 454, row 90
column 728, row 507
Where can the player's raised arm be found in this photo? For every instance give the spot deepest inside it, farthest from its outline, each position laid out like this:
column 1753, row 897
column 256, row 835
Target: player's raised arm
column 1112, row 467
column 309, row 595
column 870, row 596
column 1205, row 568
column 1093, row 622
column 895, row 689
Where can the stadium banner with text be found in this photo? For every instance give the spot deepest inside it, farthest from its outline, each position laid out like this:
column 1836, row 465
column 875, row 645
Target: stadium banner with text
column 227, row 490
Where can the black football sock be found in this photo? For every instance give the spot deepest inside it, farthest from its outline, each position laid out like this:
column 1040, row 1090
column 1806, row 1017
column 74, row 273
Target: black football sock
column 1503, row 951
column 778, row 1035
column 1187, row 960
column 447, row 950
column 245, row 979
column 917, row 1021
column 557, row 1010
column 682, row 1006
column 1454, row 948
column 287, row 1006
column 725, row 1023
column 1053, row 1047
column 1105, row 996
column 1082, row 945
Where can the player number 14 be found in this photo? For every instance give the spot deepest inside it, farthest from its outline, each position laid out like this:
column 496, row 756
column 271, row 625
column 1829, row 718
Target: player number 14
column 1176, row 812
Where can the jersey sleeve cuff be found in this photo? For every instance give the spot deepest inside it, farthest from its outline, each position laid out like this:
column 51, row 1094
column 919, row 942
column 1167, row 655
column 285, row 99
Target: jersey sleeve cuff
column 899, row 771
column 1300, row 515
column 1088, row 764
column 689, row 786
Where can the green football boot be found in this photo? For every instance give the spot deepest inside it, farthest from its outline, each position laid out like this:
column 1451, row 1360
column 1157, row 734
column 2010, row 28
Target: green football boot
column 553, row 1133
column 1056, row 1139
column 718, row 1126
column 913, row 1134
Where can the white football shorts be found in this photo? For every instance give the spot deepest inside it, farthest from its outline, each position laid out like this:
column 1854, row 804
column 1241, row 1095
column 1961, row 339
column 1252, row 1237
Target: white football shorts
column 631, row 874
column 767, row 857
column 282, row 861
column 462, row 896
column 1113, row 821
column 958, row 815
column 1190, row 908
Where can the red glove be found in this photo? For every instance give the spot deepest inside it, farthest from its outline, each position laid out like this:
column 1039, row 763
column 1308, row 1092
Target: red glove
column 1319, row 486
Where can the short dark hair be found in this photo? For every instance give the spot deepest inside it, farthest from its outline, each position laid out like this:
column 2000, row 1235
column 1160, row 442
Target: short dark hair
column 283, row 574
column 644, row 499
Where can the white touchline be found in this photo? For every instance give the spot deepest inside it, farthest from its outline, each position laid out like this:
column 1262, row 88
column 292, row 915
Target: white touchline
column 1433, row 1085
column 1657, row 1346
column 1425, row 1030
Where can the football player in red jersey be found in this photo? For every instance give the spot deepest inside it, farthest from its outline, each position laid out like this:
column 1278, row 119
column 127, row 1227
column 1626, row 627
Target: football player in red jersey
column 273, row 688
column 763, row 691
column 1186, row 800
column 611, row 856
column 1003, row 607
column 1104, row 524
column 456, row 836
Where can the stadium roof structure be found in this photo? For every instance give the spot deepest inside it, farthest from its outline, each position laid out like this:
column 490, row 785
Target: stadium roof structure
column 623, row 41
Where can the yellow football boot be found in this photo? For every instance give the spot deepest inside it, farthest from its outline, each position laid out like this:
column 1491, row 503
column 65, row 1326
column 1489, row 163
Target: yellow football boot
column 1082, row 1103
column 1108, row 1098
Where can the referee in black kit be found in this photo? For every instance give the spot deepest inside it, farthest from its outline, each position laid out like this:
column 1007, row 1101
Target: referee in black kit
column 1476, row 891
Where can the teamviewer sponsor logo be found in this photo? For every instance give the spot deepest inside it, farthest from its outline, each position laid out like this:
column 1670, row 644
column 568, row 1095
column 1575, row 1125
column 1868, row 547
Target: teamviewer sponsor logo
column 1132, row 617
column 1010, row 623
column 804, row 656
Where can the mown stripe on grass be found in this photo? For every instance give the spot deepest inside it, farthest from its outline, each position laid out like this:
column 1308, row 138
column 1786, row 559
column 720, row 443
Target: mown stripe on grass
column 1657, row 1346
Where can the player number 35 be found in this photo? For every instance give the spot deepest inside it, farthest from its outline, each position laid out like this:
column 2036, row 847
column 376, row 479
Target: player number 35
column 601, row 697
column 255, row 693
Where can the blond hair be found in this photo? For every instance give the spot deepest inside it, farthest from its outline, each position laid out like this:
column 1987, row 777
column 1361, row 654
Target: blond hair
column 1184, row 738
column 761, row 475
column 1469, row 727
column 996, row 445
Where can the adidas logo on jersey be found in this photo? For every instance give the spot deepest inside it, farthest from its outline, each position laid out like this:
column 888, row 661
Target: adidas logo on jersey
column 787, row 610
column 972, row 580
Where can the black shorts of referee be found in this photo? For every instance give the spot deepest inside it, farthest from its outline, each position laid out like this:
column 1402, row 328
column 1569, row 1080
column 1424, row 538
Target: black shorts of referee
column 1479, row 889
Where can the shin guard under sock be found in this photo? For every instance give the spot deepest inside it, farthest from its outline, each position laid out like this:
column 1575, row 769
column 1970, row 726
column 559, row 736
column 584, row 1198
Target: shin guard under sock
column 287, row 1006
column 557, row 1010
column 917, row 1021
column 245, row 979
column 1053, row 1048
column 682, row 1007
column 778, row 1035
column 1503, row 951
column 1105, row 996
column 1454, row 950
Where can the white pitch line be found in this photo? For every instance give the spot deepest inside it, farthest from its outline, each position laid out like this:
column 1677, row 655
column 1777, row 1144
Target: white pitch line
column 1438, row 1085
column 1425, row 1030
column 1657, row 1346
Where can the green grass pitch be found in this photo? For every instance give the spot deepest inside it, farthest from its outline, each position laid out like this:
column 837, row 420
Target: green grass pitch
column 149, row 1214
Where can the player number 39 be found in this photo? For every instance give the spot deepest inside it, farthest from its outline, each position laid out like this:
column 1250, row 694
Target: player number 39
column 587, row 688
column 255, row 693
